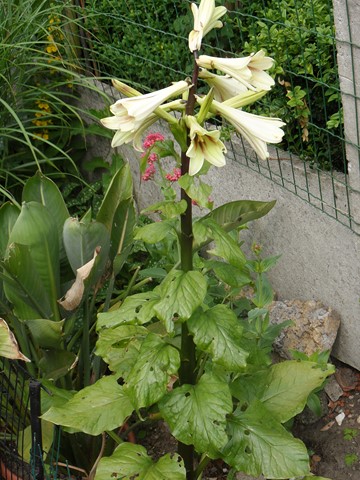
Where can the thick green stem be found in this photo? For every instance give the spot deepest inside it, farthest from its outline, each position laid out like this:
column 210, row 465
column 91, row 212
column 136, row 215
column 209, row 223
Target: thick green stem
column 187, row 372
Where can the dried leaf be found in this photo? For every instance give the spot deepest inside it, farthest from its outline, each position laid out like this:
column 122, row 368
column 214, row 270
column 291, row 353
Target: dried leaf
column 73, row 296
column 327, row 426
column 8, row 345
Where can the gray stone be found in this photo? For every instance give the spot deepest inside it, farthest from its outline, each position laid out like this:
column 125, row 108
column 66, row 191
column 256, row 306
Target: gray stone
column 333, row 389
column 314, row 326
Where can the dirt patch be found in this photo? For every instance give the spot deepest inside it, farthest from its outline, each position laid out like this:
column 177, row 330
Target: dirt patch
column 334, row 440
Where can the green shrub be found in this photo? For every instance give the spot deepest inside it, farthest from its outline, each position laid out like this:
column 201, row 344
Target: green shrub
column 300, row 37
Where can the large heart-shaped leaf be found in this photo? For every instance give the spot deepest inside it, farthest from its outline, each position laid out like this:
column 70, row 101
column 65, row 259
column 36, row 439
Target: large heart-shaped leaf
column 151, row 373
column 119, row 347
column 181, row 294
column 154, row 232
column 259, row 444
column 131, row 461
column 217, row 331
column 289, row 384
column 196, row 414
column 95, row 409
column 137, row 309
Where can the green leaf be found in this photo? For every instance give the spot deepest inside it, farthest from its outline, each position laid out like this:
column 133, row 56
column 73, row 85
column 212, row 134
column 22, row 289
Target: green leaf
column 122, row 234
column 23, row 286
column 152, row 371
column 196, row 414
column 25, row 440
column 181, row 294
column 264, row 294
column 8, row 216
column 234, row 276
column 131, row 461
column 137, row 309
column 82, row 239
column 95, row 409
column 289, row 384
column 218, row 332
column 46, row 333
column 154, row 232
column 42, row 190
column 260, row 445
column 120, row 189
column 234, row 214
column 35, row 228
column 226, row 247
column 119, row 347
column 56, row 363
column 8, row 345
column 170, row 209
column 196, row 190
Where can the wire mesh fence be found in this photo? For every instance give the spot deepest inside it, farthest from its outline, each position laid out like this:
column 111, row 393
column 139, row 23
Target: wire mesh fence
column 145, row 44
column 14, row 418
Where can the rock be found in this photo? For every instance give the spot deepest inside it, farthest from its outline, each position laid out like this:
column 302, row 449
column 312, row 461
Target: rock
column 333, row 389
column 315, row 326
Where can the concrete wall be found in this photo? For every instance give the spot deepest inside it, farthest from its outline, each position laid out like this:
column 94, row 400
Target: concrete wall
column 320, row 253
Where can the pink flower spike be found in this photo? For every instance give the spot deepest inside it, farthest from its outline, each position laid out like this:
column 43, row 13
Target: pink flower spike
column 174, row 177
column 152, row 158
column 152, row 138
column 149, row 173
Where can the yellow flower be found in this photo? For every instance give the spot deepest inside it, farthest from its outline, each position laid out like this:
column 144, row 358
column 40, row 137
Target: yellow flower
column 256, row 130
column 206, row 17
column 247, row 70
column 204, row 145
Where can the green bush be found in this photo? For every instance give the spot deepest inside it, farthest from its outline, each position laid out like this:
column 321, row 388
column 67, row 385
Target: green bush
column 300, row 37
column 131, row 33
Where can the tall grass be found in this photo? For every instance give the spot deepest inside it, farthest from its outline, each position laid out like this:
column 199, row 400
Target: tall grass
column 40, row 71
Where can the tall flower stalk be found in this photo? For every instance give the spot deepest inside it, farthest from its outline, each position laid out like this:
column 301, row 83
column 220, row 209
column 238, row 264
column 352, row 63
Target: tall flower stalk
column 198, row 146
column 176, row 350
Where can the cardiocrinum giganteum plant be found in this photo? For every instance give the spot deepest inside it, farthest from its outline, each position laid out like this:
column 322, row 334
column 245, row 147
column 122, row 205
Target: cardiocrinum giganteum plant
column 176, row 352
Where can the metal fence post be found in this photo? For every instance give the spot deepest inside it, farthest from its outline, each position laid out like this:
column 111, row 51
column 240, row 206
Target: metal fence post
column 36, row 435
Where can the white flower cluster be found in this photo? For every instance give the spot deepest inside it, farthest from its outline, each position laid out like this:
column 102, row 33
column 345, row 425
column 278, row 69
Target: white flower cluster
column 244, row 81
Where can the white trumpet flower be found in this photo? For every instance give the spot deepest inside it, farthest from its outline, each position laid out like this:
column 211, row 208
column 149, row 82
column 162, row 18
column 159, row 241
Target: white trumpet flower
column 205, row 145
column 134, row 136
column 257, row 130
column 225, row 87
column 258, row 63
column 130, row 113
column 247, row 70
column 206, row 17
